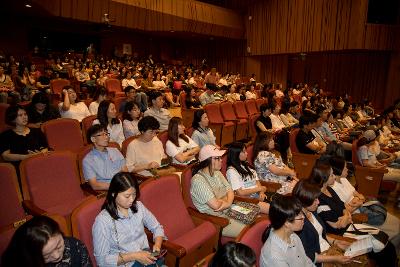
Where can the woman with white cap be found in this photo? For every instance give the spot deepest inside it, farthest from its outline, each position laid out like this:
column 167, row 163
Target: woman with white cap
column 367, row 150
column 211, row 193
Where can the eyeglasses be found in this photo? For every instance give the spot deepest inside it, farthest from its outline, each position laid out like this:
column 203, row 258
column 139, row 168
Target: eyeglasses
column 301, row 218
column 217, row 158
column 102, row 134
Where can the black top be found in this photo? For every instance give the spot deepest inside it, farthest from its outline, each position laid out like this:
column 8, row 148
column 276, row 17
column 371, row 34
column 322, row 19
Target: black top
column 44, row 80
column 264, row 120
column 330, row 209
column 19, row 144
column 75, row 254
column 49, row 113
column 302, row 139
column 192, row 103
column 310, row 238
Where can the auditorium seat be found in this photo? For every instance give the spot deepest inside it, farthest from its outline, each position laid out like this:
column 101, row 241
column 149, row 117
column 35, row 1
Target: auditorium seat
column 241, row 125
column 82, row 219
column 56, row 86
column 63, row 134
column 251, row 107
column 224, row 130
column 3, row 125
column 86, row 123
column 251, row 236
column 114, row 87
column 51, row 183
column 190, row 238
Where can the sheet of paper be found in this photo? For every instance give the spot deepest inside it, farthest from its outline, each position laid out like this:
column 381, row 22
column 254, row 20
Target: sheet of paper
column 359, row 247
column 240, row 209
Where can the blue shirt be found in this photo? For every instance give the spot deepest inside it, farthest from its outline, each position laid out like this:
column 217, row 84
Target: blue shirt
column 131, row 235
column 102, row 165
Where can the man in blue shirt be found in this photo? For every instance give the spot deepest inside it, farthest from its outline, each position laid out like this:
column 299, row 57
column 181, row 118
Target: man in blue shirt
column 102, row 162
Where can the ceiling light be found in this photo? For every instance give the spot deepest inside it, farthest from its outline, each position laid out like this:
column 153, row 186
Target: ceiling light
column 28, row 5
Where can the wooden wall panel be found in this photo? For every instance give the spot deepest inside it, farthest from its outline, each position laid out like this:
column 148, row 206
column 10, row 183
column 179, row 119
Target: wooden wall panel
column 293, row 26
column 274, row 69
column 153, row 15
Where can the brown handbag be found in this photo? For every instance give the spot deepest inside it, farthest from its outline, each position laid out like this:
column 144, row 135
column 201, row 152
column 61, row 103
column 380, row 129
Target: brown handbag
column 335, row 250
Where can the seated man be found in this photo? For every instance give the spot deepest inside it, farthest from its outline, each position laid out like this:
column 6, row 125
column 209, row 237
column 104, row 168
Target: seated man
column 207, row 97
column 140, row 98
column 305, row 140
column 102, row 162
column 157, row 111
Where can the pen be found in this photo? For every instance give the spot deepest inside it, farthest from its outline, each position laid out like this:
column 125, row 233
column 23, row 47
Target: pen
column 356, row 261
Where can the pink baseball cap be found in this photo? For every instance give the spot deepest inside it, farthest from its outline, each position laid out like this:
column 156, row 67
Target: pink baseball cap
column 209, row 151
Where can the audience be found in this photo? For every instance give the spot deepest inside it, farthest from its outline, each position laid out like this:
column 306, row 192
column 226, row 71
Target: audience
column 71, row 107
column 202, row 135
column 234, row 254
column 40, row 110
column 99, row 95
column 157, row 111
column 131, row 117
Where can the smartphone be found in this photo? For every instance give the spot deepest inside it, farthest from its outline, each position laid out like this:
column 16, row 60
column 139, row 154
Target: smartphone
column 289, row 179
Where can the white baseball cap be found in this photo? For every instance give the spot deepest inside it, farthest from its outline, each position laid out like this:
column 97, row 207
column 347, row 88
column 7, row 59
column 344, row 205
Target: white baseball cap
column 209, row 151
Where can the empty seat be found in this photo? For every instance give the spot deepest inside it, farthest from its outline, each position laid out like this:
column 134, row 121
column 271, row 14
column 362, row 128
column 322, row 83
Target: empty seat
column 224, row 130
column 251, row 106
column 114, row 87
column 63, row 134
column 228, row 114
column 86, row 123
column 56, row 85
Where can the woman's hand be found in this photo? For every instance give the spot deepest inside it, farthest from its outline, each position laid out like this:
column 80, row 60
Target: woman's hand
column 262, row 189
column 144, row 257
column 64, row 91
column 342, row 244
column 153, row 165
column 224, row 205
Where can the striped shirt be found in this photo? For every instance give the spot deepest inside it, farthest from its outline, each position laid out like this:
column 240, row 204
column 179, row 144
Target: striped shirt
column 131, row 235
column 278, row 253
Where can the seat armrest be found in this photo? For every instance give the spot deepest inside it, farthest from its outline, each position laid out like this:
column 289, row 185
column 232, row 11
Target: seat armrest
column 372, row 170
column 175, row 249
column 90, row 191
column 271, row 186
column 220, row 221
column 32, row 209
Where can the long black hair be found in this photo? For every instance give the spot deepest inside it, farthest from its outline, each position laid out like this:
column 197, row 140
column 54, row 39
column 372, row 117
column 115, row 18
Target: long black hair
column 197, row 118
column 102, row 113
column 26, row 245
column 121, row 182
column 242, row 167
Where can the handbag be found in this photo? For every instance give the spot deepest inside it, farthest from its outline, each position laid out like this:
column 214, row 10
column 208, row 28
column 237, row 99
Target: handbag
column 376, row 213
column 243, row 211
column 162, row 171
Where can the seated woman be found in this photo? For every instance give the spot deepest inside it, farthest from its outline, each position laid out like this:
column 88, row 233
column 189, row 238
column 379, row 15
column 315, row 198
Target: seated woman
column 211, row 193
column 285, row 116
column 131, row 117
column 40, row 110
column 313, row 235
column 202, row 135
column 242, row 177
column 70, row 107
column 336, row 216
column 40, row 242
column 367, row 156
column 118, row 231
column 269, row 164
column 157, row 111
column 145, row 152
column 190, row 100
column 20, row 142
column 179, row 146
column 282, row 247
column 107, row 117
column 264, row 123
column 354, row 201
column 234, row 255
column 232, row 96
column 99, row 95
column 102, row 162
column 306, row 141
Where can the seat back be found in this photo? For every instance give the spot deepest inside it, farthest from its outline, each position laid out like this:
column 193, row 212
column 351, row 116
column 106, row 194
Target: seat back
column 250, row 158
column 3, row 125
column 240, row 110
column 259, row 102
column 187, row 117
column 189, row 131
column 82, row 220
column 251, row 236
column 63, row 134
column 182, row 99
column 252, row 124
column 113, row 85
column 51, row 180
column 292, row 140
column 163, row 136
column 227, row 111
column 86, row 123
column 251, row 106
column 118, row 100
column 186, row 181
column 354, row 155
column 168, row 207
column 57, row 85
column 81, row 155
column 224, row 161
column 10, row 196
column 214, row 113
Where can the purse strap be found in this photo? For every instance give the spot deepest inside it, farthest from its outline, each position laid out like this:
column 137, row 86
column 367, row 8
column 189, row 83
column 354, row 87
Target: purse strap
column 119, row 248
